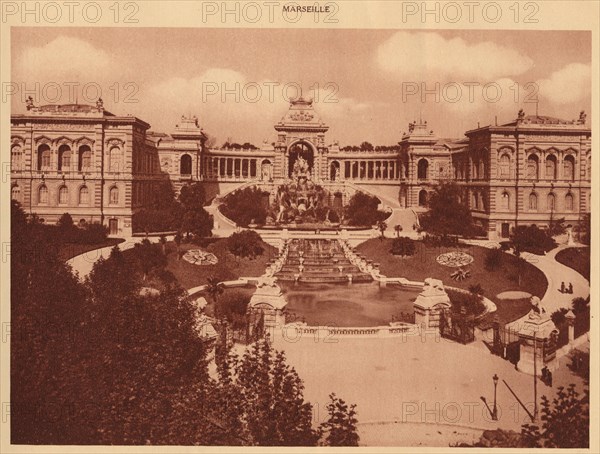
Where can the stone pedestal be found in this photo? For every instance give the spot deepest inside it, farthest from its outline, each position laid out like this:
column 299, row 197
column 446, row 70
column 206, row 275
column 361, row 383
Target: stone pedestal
column 537, row 339
column 269, row 300
column 430, row 303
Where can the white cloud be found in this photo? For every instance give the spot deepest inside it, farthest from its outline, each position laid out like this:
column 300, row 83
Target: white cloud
column 429, row 56
column 569, row 84
column 63, row 59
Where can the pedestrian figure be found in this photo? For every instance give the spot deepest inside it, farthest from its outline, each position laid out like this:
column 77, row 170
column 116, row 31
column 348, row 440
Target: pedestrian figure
column 562, row 287
column 549, row 377
column 570, row 288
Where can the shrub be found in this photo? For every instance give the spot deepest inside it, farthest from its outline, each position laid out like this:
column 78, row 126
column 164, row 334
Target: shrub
column 231, row 303
column 403, row 246
column 470, row 302
column 532, row 239
column 493, row 259
column 247, row 243
column 362, row 210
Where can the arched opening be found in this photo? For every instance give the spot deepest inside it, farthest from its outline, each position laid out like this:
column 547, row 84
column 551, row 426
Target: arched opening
column 505, row 204
column 504, row 167
column 334, row 171
column 44, row 157
column 84, row 195
column 185, row 165
column 533, row 167
column 114, row 158
column 569, row 202
column 423, row 169
column 533, row 205
column 422, row 198
column 403, row 197
column 63, row 195
column 551, row 202
column 85, row 159
column 64, row 158
column 15, row 193
column 266, row 170
column 303, row 150
column 569, row 168
column 16, row 157
column 551, row 167
column 113, row 196
column 43, row 194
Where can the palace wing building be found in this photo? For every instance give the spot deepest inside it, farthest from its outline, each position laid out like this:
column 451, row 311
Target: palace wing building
column 100, row 167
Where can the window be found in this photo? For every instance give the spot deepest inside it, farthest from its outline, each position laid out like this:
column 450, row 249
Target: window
column 84, row 195
column 16, row 157
column 505, row 166
column 533, row 201
column 16, row 193
column 569, row 168
column 43, row 194
column 85, row 159
column 505, row 203
column 44, row 157
column 551, row 167
column 113, row 198
column 551, row 202
column 64, row 158
column 63, row 195
column 185, row 167
column 533, row 167
column 569, row 202
column 115, row 159
column 423, row 169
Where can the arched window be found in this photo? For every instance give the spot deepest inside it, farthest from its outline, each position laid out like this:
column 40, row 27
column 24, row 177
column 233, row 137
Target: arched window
column 64, row 158
column 551, row 167
column 551, row 202
column 44, row 157
column 505, row 203
column 569, row 168
column 569, row 202
column 505, row 166
column 85, row 159
column 16, row 157
column 422, row 198
column 185, row 165
column 482, row 174
column 15, row 193
column 84, row 195
column 113, row 198
column 63, row 195
column 43, row 194
column 533, row 167
column 533, row 201
column 114, row 160
column 422, row 169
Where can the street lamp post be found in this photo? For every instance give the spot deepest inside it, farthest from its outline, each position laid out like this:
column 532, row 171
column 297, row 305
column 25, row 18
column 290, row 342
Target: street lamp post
column 495, row 409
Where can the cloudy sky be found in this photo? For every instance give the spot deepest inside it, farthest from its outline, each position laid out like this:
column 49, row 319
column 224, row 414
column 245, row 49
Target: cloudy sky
column 367, row 84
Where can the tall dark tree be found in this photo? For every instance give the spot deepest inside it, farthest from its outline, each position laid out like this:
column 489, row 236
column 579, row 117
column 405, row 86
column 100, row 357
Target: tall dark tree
column 447, row 214
column 363, row 210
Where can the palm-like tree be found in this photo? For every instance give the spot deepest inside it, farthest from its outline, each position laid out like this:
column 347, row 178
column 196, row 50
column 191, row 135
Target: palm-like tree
column 398, row 229
column 382, row 226
column 214, row 288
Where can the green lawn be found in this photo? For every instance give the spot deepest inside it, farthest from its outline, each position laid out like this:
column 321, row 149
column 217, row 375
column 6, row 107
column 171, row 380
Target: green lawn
column 423, row 265
column 229, row 266
column 577, row 258
column 67, row 251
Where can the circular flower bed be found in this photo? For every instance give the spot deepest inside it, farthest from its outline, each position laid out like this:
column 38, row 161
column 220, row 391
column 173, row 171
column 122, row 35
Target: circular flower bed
column 454, row 259
column 198, row 257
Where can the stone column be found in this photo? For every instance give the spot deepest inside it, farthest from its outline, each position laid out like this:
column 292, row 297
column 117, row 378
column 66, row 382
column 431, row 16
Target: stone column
column 534, row 338
column 570, row 317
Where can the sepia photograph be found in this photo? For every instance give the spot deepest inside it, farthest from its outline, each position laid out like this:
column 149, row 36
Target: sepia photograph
column 298, row 224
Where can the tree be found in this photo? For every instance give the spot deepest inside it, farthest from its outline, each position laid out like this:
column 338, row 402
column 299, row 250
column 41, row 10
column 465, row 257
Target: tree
column 382, row 226
column 447, row 214
column 246, row 243
column 340, row 428
column 149, row 257
column 580, row 305
column 362, row 210
column 398, row 229
column 65, row 222
column 585, row 226
column 214, row 288
column 403, row 246
column 565, row 421
column 532, row 239
column 245, row 206
column 366, row 146
column 493, row 259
